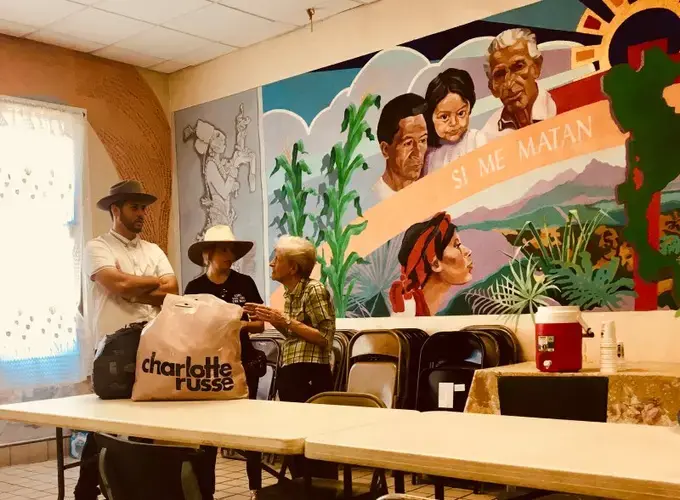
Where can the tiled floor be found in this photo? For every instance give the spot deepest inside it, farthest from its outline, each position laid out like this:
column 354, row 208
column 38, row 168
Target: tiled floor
column 39, row 482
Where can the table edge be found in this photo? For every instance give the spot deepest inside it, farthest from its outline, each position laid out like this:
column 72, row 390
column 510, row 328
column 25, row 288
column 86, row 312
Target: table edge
column 546, row 479
column 293, row 446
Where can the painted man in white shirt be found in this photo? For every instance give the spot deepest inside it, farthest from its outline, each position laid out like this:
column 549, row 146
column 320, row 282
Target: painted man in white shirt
column 513, row 66
column 402, row 134
column 127, row 279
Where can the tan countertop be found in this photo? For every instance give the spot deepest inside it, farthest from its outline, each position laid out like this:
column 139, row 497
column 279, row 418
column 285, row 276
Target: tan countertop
column 606, row 460
column 641, row 393
column 593, row 369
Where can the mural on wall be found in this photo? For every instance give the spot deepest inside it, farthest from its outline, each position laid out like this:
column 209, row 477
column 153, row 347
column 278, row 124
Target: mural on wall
column 219, row 177
column 518, row 161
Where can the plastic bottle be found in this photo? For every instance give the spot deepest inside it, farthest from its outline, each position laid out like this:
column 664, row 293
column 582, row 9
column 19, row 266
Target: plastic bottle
column 621, row 355
column 608, row 348
column 77, row 442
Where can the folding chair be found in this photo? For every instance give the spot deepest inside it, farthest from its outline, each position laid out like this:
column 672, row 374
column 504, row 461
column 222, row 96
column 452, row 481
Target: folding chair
column 374, row 365
column 448, row 361
column 414, row 340
column 131, row 470
column 322, row 489
column 339, row 358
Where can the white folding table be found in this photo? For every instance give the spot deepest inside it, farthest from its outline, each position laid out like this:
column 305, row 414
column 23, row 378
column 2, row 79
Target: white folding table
column 251, row 425
column 606, row 460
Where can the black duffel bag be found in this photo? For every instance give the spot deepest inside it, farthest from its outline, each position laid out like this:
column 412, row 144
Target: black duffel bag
column 113, row 371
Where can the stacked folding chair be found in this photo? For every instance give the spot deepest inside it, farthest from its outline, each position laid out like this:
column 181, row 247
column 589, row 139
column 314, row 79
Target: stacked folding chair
column 374, row 365
column 339, row 358
column 270, row 345
column 448, row 361
column 412, row 343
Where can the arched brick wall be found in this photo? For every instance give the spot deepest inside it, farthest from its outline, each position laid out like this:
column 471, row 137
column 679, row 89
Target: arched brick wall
column 121, row 108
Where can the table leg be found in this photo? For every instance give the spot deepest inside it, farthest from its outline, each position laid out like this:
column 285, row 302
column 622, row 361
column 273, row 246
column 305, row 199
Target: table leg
column 347, row 481
column 439, row 490
column 61, row 488
column 399, row 486
column 307, row 475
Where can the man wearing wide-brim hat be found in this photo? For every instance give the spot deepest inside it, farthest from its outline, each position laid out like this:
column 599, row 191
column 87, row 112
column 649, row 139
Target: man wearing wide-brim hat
column 126, row 279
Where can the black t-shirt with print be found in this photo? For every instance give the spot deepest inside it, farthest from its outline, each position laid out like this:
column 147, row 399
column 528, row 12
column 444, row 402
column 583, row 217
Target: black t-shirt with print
column 238, row 289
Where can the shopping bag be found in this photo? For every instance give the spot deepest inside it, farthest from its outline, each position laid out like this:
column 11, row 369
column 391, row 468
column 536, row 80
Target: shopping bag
column 191, row 350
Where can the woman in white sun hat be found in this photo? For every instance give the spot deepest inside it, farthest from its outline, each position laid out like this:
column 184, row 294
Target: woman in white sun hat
column 217, row 253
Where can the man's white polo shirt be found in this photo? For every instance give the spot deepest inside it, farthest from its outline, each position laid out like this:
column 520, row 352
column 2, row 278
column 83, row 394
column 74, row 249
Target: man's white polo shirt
column 105, row 313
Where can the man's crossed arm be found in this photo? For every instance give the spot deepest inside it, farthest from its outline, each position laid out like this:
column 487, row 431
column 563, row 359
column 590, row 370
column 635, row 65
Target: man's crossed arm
column 143, row 289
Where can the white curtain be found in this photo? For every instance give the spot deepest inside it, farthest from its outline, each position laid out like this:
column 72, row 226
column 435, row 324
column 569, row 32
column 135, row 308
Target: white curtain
column 41, row 165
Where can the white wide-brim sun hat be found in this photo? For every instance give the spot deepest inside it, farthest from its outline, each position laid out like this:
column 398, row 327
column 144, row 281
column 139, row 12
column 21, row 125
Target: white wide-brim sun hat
column 218, row 235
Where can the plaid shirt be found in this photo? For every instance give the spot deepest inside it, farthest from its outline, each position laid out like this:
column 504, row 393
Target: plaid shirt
column 311, row 304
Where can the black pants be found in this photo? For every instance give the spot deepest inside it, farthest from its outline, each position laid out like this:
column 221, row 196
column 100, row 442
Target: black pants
column 206, row 476
column 297, row 383
column 300, row 381
column 87, row 487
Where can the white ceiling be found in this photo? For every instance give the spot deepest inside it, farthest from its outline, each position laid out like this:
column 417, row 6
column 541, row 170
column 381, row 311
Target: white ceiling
column 162, row 35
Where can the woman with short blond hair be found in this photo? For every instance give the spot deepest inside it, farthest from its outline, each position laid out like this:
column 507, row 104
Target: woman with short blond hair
column 307, row 322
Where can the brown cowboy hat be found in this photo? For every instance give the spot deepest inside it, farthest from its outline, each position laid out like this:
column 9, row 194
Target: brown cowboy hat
column 218, row 235
column 129, row 190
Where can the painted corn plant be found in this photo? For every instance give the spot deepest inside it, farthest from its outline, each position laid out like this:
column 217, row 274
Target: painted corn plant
column 337, row 198
column 292, row 196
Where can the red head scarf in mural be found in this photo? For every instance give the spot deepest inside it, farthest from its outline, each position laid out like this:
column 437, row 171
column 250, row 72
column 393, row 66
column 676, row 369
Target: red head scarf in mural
column 423, row 242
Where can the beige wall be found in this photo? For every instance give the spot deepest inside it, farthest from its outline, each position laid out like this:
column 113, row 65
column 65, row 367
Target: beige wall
column 160, row 84
column 652, row 336
column 99, row 174
column 354, row 33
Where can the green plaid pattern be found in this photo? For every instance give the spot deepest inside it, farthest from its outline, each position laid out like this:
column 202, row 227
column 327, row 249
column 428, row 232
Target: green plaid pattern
column 311, row 304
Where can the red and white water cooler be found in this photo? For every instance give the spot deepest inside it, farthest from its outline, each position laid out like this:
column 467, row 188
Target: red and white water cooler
column 559, row 339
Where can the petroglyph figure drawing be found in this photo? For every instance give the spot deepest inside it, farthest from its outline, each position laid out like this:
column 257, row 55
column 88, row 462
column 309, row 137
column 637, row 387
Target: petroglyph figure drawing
column 220, row 172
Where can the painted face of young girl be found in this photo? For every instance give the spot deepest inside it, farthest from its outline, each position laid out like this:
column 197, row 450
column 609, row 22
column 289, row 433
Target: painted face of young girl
column 451, row 117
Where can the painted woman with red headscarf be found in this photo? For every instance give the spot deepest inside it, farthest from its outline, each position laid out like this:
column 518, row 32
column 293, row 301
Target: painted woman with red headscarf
column 433, row 259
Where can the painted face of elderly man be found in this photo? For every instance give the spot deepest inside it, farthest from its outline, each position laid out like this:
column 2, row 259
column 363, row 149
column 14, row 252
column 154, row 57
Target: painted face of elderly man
column 513, row 67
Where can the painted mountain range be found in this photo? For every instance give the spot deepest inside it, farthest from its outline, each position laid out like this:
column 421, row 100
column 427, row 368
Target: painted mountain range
column 594, row 188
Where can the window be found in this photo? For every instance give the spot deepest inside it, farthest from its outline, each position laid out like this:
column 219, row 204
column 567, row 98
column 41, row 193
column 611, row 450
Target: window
column 41, row 156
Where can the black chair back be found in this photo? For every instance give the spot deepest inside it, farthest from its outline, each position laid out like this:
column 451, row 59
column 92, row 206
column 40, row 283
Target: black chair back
column 554, row 396
column 138, row 471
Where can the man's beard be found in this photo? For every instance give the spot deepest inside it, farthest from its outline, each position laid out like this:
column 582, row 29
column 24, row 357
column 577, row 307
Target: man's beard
column 132, row 227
